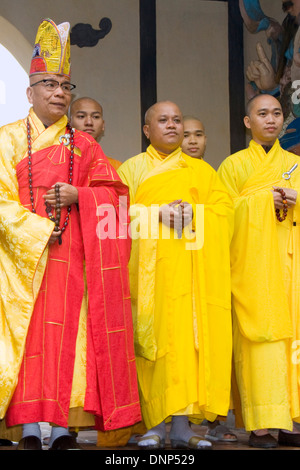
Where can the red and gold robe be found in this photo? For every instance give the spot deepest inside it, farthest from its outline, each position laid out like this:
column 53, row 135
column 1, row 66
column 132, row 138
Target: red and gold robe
column 47, row 287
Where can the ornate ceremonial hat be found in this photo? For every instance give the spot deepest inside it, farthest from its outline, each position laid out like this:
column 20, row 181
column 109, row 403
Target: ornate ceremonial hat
column 51, row 53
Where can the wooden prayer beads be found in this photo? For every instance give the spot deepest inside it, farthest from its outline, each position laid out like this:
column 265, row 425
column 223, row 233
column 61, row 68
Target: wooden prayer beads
column 282, row 217
column 48, row 209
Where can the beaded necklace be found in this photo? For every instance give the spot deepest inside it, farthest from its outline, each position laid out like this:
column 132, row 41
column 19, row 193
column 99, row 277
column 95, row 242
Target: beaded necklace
column 48, row 208
column 282, row 217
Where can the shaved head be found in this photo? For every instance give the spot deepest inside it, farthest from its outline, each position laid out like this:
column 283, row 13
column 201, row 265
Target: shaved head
column 259, row 98
column 194, row 138
column 163, row 126
column 77, row 103
column 86, row 115
column 264, row 119
column 153, row 109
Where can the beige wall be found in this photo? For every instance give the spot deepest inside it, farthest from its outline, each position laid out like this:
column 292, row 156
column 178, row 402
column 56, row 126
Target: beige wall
column 192, row 66
column 192, row 63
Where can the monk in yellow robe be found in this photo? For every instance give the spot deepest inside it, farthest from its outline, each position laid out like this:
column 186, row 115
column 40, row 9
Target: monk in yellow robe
column 264, row 181
column 194, row 137
column 180, row 283
column 86, row 115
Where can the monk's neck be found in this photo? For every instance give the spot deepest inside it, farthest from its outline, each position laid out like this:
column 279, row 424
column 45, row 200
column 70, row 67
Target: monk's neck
column 265, row 145
column 162, row 155
column 267, row 148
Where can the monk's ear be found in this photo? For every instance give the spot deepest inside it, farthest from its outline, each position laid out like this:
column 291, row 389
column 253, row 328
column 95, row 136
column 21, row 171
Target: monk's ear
column 29, row 94
column 247, row 122
column 146, row 130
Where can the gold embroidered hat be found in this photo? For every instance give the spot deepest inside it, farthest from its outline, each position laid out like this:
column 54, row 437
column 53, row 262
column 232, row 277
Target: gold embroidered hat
column 51, row 53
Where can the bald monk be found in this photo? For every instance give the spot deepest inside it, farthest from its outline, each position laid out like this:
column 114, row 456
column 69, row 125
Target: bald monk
column 194, row 137
column 86, row 115
column 180, row 287
column 264, row 181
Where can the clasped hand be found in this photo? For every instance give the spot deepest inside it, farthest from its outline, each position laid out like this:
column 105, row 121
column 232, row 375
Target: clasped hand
column 291, row 197
column 68, row 195
column 177, row 214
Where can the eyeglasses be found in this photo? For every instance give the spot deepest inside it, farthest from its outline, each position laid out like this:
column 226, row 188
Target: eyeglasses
column 52, row 85
column 286, row 5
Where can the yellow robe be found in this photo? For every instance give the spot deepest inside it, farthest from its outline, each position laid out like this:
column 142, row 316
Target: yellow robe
column 180, row 288
column 28, row 235
column 265, row 286
column 23, row 254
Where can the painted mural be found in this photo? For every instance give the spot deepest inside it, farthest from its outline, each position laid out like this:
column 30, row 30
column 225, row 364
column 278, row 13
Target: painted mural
column 277, row 71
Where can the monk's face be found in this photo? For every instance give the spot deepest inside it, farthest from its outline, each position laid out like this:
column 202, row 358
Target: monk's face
column 265, row 119
column 194, row 138
column 48, row 104
column 87, row 116
column 164, row 127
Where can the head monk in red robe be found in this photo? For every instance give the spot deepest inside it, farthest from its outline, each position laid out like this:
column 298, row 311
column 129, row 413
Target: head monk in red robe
column 67, row 353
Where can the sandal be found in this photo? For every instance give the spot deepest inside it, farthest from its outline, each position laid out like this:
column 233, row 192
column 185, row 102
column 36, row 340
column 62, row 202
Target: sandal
column 157, row 444
column 265, row 441
column 195, row 442
column 288, row 439
column 218, row 434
